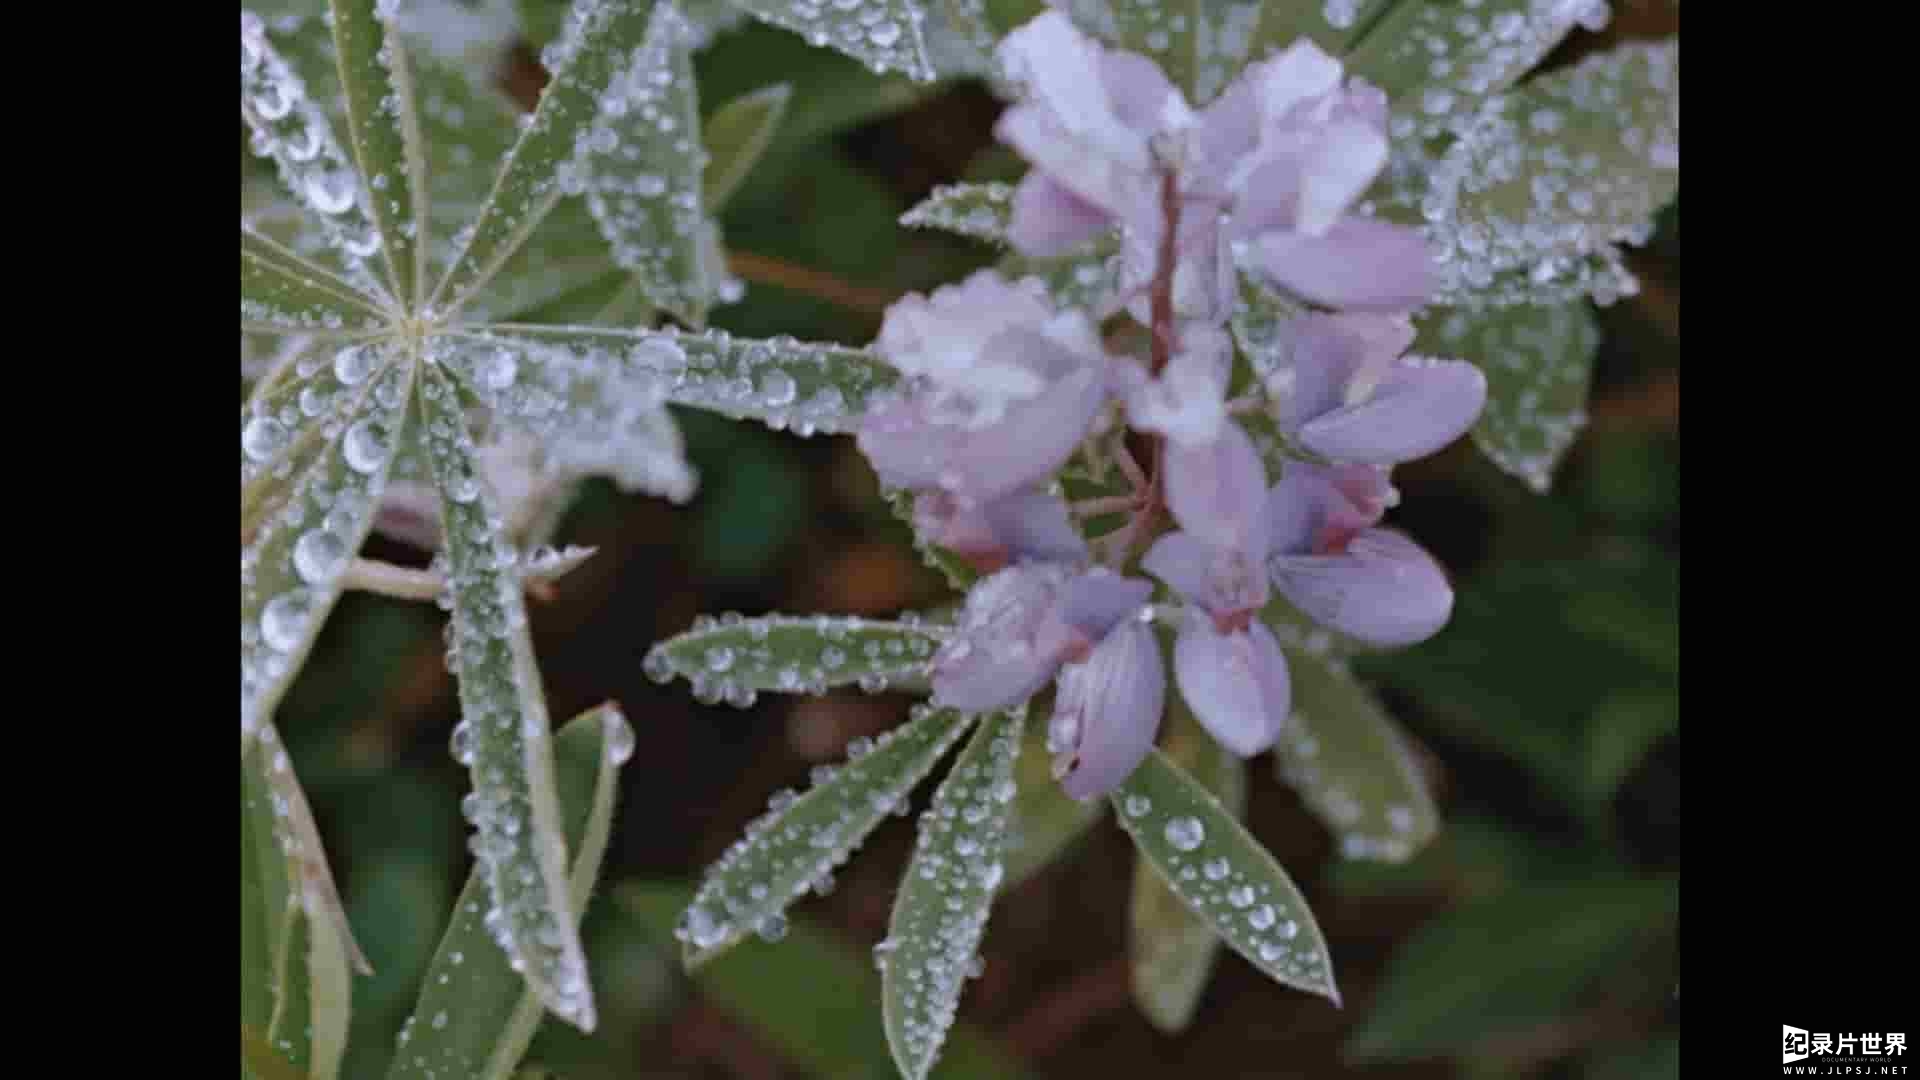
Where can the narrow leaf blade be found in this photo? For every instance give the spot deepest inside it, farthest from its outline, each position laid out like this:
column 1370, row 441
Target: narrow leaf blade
column 734, row 658
column 883, row 34
column 641, row 167
column 288, row 127
column 811, row 999
column 1539, row 363
column 280, row 292
column 1342, row 753
column 780, row 382
column 503, row 710
column 592, row 50
column 1180, row 829
column 736, row 135
column 474, row 1016
column 290, row 567
column 790, row 848
column 946, row 895
column 982, row 211
column 383, row 135
column 1172, row 948
column 308, row 949
column 589, row 413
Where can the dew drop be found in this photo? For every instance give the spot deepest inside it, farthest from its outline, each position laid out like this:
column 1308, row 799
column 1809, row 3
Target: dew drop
column 1185, row 833
column 283, row 623
column 366, row 446
column 263, row 437
column 318, row 556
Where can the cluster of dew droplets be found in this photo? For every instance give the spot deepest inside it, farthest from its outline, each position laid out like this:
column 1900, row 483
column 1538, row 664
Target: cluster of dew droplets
column 732, row 658
column 932, row 944
column 1221, row 878
column 886, row 35
column 289, row 574
column 1542, row 184
column 593, row 409
column 979, row 210
column 1538, row 362
column 502, row 735
column 784, row 383
column 795, row 846
column 1365, row 830
column 1460, row 55
column 286, row 126
column 640, row 166
column 325, row 383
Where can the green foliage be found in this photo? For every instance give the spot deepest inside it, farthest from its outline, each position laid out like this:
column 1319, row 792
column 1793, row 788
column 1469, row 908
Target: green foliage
column 1223, row 875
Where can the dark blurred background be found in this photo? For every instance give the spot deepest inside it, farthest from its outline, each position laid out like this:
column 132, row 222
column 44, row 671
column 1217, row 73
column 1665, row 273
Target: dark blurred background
column 1538, row 936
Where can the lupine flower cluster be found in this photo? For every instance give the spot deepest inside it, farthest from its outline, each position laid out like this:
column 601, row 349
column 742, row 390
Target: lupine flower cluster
column 1001, row 389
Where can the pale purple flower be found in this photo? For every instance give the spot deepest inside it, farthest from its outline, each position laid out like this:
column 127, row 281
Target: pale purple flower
column 1028, row 623
column 1331, row 561
column 1026, row 526
column 1230, row 668
column 1107, row 711
column 1188, row 401
column 1345, row 391
column 1000, row 388
column 1270, row 173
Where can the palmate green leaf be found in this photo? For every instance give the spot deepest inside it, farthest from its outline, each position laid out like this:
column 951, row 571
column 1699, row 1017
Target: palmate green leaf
column 1344, row 756
column 282, row 293
column 297, row 952
column 291, row 564
column 641, row 167
column 475, row 1016
column 811, row 999
column 885, row 35
column 736, row 135
column 800, row 841
column 564, row 258
column 946, row 894
column 780, row 382
column 383, row 136
column 294, row 414
column 1223, row 875
column 287, row 126
column 982, row 211
column 503, row 735
column 591, row 413
column 592, row 51
column 1539, row 363
column 1172, row 948
column 1438, row 60
column 1508, row 963
column 733, row 658
column 1044, row 822
column 1555, row 174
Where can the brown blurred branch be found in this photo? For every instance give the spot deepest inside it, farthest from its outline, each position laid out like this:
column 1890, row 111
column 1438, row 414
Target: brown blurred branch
column 818, row 284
